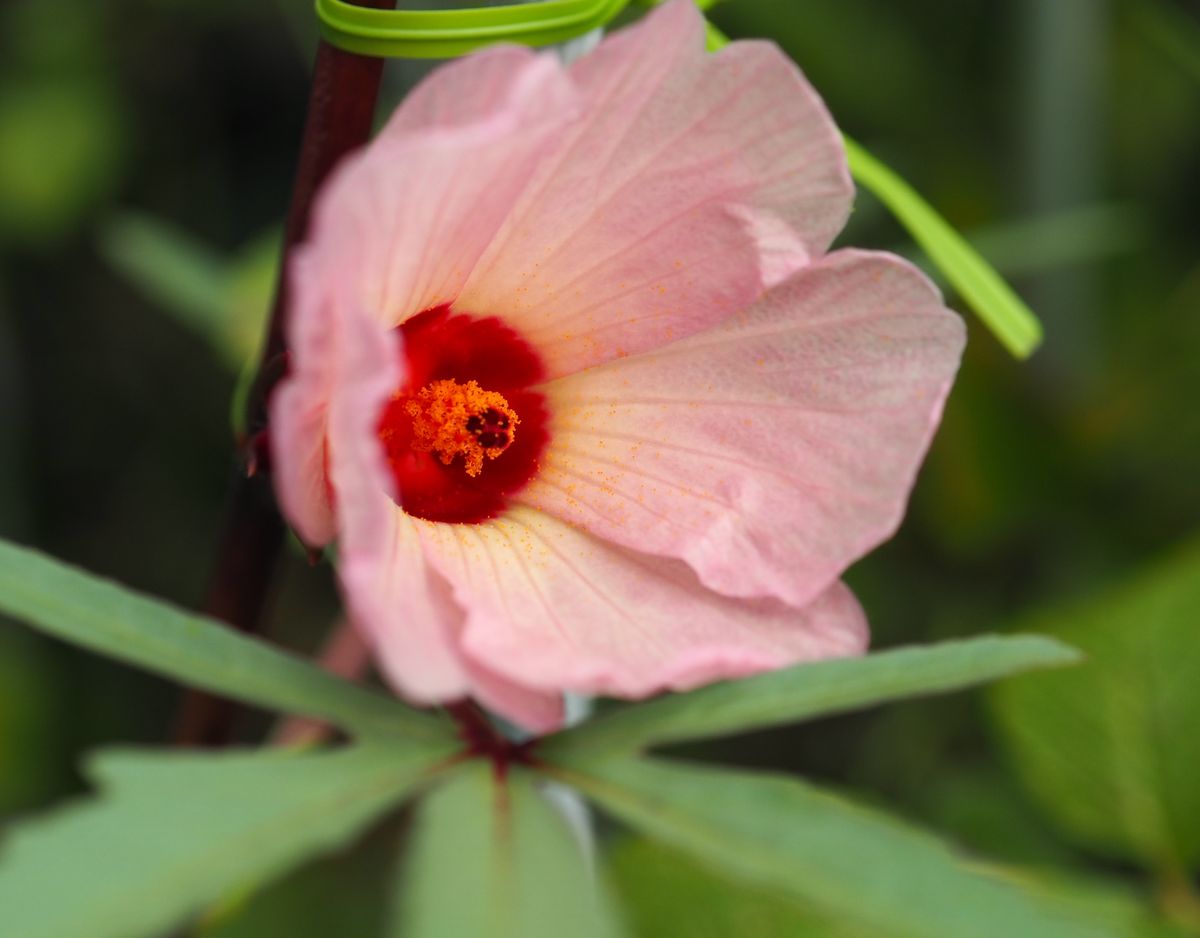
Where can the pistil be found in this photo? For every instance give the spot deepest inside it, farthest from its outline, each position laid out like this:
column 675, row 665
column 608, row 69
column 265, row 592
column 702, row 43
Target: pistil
column 452, row 419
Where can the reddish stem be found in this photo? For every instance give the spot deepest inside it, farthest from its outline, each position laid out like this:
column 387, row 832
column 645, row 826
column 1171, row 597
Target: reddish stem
column 341, row 109
column 484, row 740
column 475, row 729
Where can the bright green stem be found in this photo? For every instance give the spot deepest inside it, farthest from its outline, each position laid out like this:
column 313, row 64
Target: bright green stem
column 988, row 294
column 444, row 33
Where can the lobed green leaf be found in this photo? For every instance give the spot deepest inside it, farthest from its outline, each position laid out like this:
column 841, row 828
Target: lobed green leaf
column 850, row 865
column 171, row 834
column 493, row 859
column 670, row 895
column 1110, row 750
column 667, row 894
column 109, row 619
column 810, row 690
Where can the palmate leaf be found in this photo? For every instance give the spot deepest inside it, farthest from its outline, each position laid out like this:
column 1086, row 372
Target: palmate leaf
column 107, row 618
column 171, row 834
column 811, row 690
column 1111, row 750
column 492, row 859
column 667, row 894
column 844, row 862
column 345, row 893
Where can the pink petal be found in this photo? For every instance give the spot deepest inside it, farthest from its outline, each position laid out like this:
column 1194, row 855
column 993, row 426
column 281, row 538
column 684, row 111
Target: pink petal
column 537, row 711
column 554, row 608
column 404, row 608
column 691, row 182
column 472, row 89
column 400, row 226
column 771, row 452
column 397, row 229
column 298, row 414
column 406, row 612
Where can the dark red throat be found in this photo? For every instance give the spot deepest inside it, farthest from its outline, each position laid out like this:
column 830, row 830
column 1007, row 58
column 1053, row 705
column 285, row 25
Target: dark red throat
column 443, row 345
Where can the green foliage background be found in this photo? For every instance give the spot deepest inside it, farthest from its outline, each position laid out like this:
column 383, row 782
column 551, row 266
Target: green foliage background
column 146, row 150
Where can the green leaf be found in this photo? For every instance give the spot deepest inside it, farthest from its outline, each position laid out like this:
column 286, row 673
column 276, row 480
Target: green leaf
column 173, row 268
column 848, row 864
column 33, row 709
column 666, row 894
column 221, row 299
column 170, row 834
column 1111, row 750
column 492, row 859
column 345, row 893
column 107, row 618
column 992, row 299
column 811, row 690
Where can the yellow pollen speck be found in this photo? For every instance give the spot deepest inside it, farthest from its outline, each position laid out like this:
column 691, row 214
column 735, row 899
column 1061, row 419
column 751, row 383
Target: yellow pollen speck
column 449, row 418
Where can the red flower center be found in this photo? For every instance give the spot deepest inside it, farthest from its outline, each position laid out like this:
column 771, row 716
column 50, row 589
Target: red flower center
column 465, row 431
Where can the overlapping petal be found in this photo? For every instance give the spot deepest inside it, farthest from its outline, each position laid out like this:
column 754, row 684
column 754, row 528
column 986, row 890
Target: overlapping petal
column 405, row 610
column 409, row 612
column 401, row 225
column 299, row 410
column 553, row 607
column 398, row 228
column 520, row 608
column 734, row 417
column 691, row 182
column 773, row 450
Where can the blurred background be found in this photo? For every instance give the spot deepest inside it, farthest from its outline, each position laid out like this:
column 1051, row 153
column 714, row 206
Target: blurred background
column 146, row 154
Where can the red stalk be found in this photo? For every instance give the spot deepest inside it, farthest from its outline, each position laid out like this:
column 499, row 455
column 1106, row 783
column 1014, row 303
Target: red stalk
column 341, row 109
column 484, row 740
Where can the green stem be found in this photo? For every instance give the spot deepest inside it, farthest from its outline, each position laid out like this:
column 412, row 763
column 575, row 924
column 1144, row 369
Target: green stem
column 987, row 293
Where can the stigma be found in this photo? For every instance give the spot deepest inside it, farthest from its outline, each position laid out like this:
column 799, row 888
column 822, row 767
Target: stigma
column 451, row 419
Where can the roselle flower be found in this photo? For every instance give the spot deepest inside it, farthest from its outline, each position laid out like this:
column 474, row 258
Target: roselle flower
column 579, row 393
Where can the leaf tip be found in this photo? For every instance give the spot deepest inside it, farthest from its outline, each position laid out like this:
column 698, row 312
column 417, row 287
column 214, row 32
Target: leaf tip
column 1053, row 653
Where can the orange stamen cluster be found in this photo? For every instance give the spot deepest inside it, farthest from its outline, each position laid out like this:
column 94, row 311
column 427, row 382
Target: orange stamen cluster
column 452, row 419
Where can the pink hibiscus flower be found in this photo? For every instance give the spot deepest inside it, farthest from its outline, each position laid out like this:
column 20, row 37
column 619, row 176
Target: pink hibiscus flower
column 579, row 393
